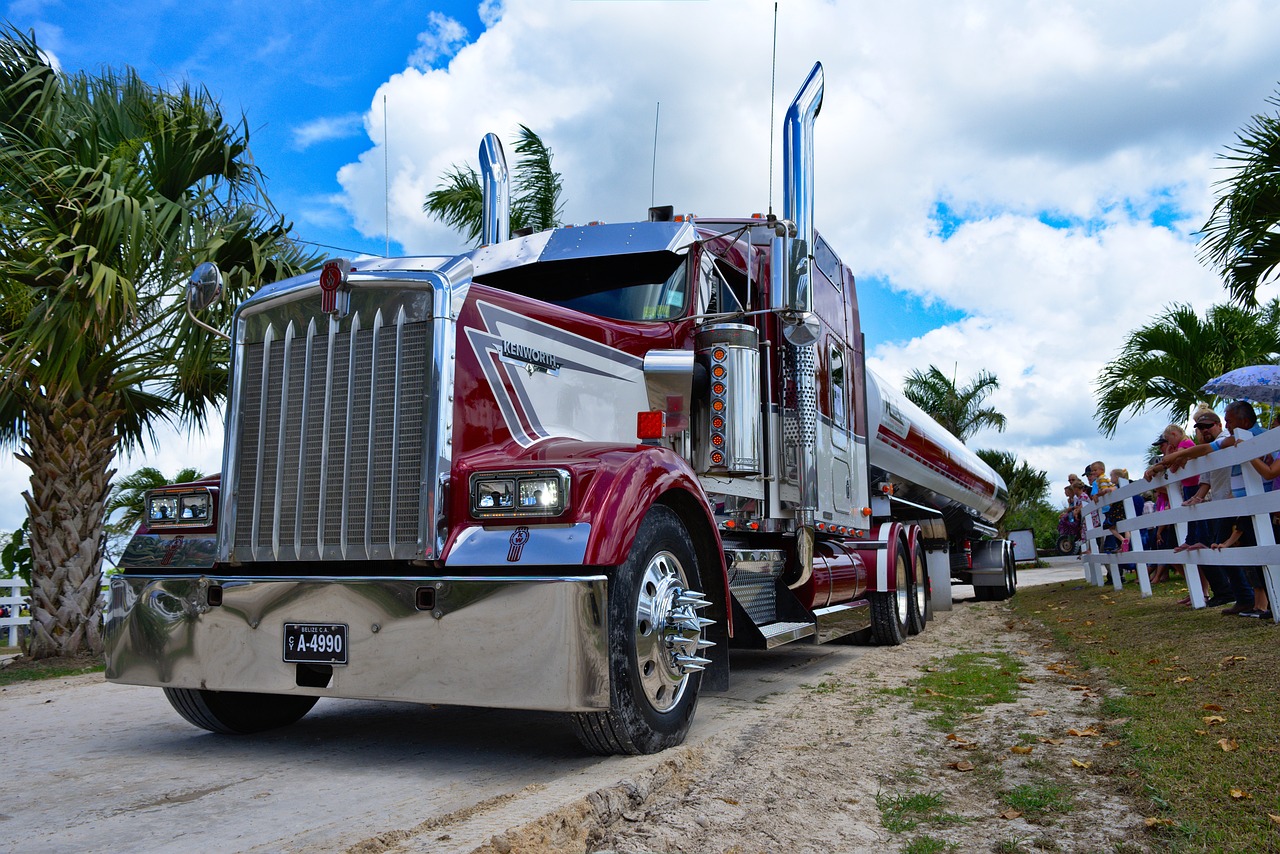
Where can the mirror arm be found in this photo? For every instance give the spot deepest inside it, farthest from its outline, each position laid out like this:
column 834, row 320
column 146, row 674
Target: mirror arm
column 201, row 323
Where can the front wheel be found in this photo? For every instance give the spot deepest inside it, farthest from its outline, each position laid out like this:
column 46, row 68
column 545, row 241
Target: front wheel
column 235, row 713
column 655, row 634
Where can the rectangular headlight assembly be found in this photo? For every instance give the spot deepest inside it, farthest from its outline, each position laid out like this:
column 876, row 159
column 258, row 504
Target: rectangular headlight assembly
column 520, row 493
column 179, row 508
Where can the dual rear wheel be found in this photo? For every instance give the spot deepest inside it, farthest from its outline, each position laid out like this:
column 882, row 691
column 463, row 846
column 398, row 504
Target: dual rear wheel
column 905, row 610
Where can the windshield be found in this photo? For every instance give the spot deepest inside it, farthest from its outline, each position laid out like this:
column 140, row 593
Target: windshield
column 651, row 286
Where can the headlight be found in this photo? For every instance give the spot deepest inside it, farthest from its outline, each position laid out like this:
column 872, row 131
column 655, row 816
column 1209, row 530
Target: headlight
column 179, row 508
column 532, row 493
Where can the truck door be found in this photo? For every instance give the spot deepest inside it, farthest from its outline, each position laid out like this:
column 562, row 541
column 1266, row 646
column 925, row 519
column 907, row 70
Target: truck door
column 841, row 475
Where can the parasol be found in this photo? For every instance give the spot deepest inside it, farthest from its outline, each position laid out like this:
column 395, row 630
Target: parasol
column 1259, row 383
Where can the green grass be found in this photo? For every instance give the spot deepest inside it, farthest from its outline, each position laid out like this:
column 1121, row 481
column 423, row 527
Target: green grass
column 899, row 813
column 54, row 668
column 1037, row 800
column 1193, row 681
column 963, row 684
column 927, row 845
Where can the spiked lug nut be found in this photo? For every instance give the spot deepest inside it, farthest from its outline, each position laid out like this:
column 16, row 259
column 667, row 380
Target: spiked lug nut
column 692, row 598
column 693, row 624
column 693, row 642
column 692, row 662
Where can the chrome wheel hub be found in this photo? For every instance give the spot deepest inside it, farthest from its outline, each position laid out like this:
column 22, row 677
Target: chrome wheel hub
column 668, row 631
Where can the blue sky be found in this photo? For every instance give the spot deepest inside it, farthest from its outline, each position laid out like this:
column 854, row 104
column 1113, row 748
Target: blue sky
column 1015, row 184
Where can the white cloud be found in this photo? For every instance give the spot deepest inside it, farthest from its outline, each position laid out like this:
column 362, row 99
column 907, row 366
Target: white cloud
column 1097, row 115
column 440, row 41
column 327, row 128
column 1005, row 111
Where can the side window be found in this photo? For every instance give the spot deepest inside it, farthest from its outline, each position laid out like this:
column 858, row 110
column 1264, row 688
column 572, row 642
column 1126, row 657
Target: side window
column 839, row 414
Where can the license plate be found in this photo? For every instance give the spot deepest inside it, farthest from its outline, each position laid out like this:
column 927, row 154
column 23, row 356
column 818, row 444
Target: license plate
column 315, row 643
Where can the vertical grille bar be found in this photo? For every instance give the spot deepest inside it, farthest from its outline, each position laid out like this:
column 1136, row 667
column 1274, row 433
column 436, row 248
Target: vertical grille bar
column 323, row 492
column 263, row 396
column 304, row 413
column 354, row 335
column 280, row 443
column 373, row 421
column 395, row 430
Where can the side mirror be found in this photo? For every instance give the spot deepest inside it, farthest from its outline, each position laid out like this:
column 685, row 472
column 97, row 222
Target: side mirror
column 204, row 288
column 791, row 291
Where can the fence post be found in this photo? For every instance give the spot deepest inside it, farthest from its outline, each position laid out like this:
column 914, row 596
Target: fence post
column 1264, row 535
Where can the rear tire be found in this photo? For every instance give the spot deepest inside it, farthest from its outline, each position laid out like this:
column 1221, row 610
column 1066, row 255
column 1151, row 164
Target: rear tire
column 235, row 713
column 652, row 695
column 1066, row 544
column 921, row 609
column 890, row 609
column 887, row 628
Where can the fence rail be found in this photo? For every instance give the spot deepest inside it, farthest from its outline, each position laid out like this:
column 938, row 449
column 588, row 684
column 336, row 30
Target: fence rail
column 1257, row 503
column 15, row 608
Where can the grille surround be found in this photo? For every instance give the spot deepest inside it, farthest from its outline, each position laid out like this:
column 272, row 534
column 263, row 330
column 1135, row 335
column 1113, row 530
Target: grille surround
column 334, row 424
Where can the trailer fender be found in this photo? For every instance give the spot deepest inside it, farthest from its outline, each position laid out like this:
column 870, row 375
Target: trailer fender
column 888, row 537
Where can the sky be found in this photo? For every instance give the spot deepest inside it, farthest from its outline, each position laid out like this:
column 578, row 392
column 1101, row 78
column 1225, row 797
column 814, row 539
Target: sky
column 1016, row 183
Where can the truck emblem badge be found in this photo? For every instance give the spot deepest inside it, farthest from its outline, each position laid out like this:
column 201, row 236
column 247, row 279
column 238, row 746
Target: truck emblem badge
column 531, row 358
column 519, row 537
column 335, row 293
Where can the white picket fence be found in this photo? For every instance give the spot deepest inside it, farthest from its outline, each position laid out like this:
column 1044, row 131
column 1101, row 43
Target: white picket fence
column 1256, row 503
column 17, row 615
column 13, row 604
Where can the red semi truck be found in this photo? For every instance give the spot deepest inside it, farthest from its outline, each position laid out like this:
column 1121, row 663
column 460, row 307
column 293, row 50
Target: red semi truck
column 564, row 471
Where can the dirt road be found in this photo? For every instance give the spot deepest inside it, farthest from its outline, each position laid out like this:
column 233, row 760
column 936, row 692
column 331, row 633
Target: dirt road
column 790, row 759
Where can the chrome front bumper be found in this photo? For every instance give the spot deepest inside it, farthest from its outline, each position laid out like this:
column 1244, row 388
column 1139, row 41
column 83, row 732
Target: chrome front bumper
column 504, row 642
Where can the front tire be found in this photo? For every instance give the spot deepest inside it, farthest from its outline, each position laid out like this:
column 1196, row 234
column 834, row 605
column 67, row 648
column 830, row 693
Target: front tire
column 234, row 713
column 654, row 637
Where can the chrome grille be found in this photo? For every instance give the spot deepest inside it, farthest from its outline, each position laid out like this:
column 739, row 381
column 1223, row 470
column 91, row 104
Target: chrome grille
column 329, row 453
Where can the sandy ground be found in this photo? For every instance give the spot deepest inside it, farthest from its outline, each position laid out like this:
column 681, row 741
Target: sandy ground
column 812, row 776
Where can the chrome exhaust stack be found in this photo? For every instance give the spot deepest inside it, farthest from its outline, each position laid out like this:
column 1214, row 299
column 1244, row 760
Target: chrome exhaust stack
column 495, row 225
column 792, row 286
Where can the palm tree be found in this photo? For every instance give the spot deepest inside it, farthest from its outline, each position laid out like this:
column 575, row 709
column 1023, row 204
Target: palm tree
column 458, row 200
column 128, row 497
column 1163, row 365
column 1025, row 485
column 112, row 190
column 960, row 410
column 1242, row 236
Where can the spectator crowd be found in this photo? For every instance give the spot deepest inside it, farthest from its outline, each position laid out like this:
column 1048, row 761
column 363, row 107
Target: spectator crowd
column 1240, row 588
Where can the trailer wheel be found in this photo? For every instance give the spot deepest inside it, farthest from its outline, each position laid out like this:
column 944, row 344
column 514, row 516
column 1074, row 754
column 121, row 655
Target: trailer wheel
column 890, row 609
column 1006, row 589
column 655, row 634
column 921, row 611
column 234, row 713
column 1066, row 544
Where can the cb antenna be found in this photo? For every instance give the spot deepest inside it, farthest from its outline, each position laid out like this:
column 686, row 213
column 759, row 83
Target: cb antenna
column 773, row 83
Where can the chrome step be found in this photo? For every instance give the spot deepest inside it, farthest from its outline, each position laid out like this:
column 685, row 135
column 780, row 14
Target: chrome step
column 776, row 634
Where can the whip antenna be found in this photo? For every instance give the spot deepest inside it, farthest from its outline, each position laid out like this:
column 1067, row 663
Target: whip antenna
column 386, row 177
column 773, row 83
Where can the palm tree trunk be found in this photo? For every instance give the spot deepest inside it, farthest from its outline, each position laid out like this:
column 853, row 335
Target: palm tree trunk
column 69, row 450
